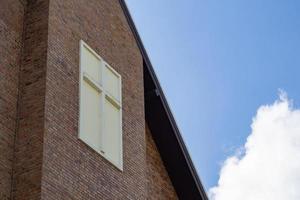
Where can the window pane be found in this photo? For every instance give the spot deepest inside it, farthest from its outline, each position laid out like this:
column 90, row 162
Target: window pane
column 112, row 129
column 112, row 83
column 90, row 116
column 90, row 64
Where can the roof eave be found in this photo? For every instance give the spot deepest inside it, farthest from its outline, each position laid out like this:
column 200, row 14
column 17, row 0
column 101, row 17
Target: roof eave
column 166, row 109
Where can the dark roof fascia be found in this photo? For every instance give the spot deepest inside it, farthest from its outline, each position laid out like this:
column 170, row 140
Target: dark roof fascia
column 164, row 102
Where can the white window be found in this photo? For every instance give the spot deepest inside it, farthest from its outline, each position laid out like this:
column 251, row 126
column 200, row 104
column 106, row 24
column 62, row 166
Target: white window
column 100, row 123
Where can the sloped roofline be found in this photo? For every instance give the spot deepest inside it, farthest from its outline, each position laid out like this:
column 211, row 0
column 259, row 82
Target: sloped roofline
column 185, row 187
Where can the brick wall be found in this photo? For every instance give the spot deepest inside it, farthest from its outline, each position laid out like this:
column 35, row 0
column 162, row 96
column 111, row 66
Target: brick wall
column 71, row 169
column 159, row 184
column 11, row 28
column 39, row 101
column 29, row 137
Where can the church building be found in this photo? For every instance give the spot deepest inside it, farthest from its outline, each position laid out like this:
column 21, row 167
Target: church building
column 82, row 114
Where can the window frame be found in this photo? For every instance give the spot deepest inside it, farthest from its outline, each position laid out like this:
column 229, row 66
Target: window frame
column 105, row 95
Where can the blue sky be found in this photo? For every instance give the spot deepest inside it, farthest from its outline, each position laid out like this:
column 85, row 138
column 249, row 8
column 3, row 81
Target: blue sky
column 218, row 61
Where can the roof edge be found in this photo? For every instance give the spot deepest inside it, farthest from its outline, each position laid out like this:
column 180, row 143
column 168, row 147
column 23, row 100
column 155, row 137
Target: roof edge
column 164, row 101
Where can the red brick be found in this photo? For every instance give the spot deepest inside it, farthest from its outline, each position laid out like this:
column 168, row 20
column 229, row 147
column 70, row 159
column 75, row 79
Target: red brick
column 11, row 29
column 31, row 117
column 47, row 158
column 159, row 184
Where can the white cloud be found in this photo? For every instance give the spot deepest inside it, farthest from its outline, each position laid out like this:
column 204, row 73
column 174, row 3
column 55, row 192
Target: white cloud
column 269, row 166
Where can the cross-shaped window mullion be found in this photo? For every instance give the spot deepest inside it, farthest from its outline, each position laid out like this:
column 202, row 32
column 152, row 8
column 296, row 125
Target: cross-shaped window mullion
column 100, row 106
column 92, row 82
column 112, row 100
